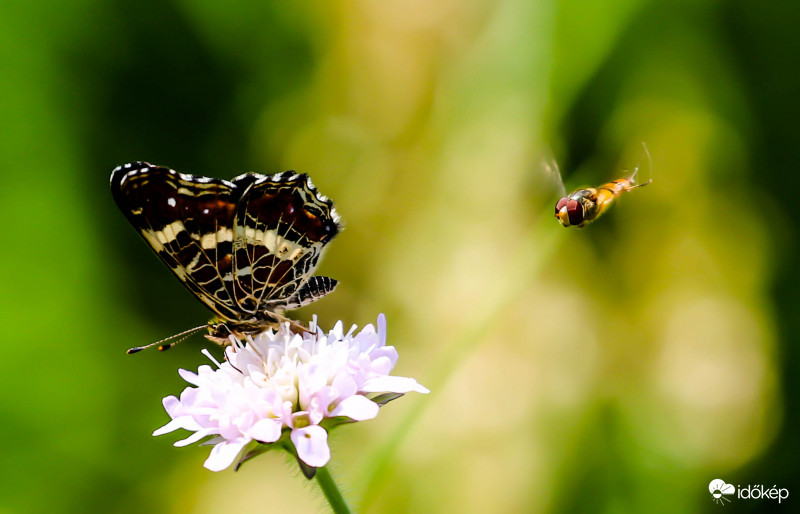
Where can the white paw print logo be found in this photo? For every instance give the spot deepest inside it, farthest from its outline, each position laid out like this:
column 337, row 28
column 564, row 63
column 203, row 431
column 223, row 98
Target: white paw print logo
column 718, row 488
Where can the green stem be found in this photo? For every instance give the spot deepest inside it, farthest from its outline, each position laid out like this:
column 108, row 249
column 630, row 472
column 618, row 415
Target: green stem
column 331, row 492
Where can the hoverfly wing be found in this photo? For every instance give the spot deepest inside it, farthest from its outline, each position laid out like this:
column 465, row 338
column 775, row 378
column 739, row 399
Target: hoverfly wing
column 552, row 174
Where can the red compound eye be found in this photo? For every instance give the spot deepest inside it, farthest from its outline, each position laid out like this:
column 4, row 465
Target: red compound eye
column 560, row 205
column 575, row 211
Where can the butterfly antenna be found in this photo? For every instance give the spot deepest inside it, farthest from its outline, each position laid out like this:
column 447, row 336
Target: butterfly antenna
column 169, row 342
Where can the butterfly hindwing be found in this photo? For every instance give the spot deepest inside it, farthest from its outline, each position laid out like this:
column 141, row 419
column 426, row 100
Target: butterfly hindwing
column 311, row 291
column 281, row 226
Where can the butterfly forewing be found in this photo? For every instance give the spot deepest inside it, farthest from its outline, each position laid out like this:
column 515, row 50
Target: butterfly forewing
column 187, row 222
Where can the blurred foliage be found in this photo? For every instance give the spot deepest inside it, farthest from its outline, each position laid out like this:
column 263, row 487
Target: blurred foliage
column 618, row 368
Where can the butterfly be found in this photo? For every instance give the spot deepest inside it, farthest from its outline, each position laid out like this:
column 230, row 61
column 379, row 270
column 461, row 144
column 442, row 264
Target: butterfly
column 247, row 248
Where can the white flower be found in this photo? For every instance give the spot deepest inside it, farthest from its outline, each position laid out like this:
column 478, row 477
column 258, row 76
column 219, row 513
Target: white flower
column 281, row 383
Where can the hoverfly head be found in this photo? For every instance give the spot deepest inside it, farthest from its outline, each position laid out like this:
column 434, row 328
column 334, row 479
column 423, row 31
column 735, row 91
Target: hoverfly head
column 569, row 212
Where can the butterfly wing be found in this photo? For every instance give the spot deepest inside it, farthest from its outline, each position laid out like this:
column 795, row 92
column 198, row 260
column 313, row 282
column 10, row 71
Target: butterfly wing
column 311, row 291
column 188, row 222
column 281, row 226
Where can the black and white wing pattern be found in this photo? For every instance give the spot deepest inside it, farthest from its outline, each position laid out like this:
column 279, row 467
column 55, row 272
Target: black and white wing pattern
column 281, row 226
column 247, row 248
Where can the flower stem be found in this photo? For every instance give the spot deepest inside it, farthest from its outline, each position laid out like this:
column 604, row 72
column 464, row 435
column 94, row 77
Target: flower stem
column 331, row 492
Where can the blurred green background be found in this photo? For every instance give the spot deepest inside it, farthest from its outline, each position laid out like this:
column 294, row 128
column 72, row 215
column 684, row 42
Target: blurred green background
column 619, row 368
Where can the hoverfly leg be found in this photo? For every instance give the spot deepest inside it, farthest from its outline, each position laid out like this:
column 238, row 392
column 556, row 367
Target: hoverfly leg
column 649, row 166
column 634, row 186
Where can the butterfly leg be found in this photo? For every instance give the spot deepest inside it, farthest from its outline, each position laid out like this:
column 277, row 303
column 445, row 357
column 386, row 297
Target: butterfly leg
column 220, row 334
column 294, row 325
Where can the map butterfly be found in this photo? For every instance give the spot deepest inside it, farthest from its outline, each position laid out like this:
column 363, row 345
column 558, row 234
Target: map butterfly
column 247, row 248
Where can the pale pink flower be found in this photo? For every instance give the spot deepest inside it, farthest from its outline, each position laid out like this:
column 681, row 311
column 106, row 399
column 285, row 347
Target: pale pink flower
column 282, row 386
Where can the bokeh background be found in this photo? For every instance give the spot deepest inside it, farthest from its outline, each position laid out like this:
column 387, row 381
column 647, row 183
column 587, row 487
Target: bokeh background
column 618, row 368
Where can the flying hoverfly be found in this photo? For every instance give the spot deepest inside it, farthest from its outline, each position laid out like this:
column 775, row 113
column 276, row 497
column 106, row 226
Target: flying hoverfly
column 586, row 205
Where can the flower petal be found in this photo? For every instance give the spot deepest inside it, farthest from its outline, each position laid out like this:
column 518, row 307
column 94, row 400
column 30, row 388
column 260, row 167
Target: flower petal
column 382, row 329
column 194, row 437
column 344, row 385
column 223, row 454
column 266, row 430
column 279, row 380
column 356, row 407
column 188, row 376
column 185, row 422
column 381, row 365
column 311, row 443
column 171, row 404
column 392, row 384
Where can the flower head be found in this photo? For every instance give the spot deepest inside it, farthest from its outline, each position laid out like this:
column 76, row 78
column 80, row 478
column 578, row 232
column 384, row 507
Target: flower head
column 280, row 386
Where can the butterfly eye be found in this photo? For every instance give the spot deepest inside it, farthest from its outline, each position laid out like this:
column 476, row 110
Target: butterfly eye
column 560, row 205
column 575, row 211
column 329, row 230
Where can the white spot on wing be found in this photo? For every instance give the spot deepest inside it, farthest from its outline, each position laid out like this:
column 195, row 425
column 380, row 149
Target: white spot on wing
column 170, row 232
column 270, row 239
column 154, row 240
column 224, row 234
column 192, row 264
column 210, row 240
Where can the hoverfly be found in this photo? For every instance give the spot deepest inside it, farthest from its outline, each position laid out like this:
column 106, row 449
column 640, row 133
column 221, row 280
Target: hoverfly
column 586, row 205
